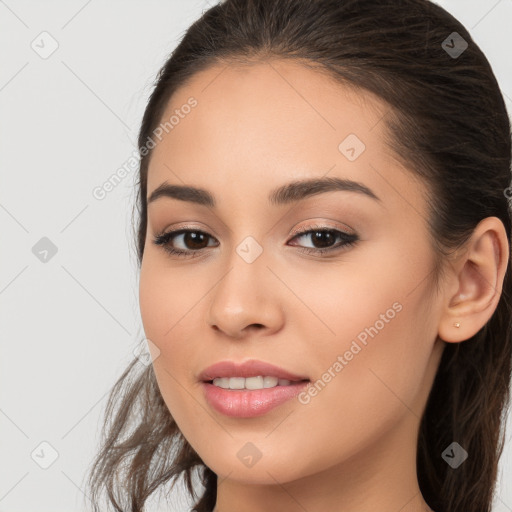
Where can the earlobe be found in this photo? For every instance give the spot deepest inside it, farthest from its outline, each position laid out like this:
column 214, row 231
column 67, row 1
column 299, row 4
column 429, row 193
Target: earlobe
column 477, row 276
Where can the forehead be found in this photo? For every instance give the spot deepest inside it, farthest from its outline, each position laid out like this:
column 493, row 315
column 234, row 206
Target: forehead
column 270, row 122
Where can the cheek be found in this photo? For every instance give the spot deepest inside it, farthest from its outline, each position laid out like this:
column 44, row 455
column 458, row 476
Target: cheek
column 379, row 364
column 162, row 298
column 362, row 399
column 167, row 312
column 160, row 309
column 340, row 301
column 377, row 333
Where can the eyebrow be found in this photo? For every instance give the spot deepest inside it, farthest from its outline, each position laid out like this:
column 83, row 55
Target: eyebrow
column 285, row 194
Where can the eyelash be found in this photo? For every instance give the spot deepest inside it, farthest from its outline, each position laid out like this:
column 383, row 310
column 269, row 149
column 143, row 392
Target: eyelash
column 163, row 240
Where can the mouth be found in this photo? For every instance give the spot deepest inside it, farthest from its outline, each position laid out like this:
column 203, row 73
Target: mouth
column 248, row 397
column 249, row 374
column 249, row 388
column 256, row 382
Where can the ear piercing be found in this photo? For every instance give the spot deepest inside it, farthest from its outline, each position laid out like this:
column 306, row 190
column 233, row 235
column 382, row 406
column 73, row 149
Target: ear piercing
column 456, row 324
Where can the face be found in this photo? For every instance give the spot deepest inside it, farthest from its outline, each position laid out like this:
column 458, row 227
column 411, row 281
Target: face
column 359, row 320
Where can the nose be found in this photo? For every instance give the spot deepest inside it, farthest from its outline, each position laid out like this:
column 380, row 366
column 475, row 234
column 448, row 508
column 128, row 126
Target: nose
column 247, row 300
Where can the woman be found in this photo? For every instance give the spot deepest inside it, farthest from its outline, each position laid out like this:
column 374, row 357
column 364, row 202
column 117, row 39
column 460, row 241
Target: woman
column 325, row 282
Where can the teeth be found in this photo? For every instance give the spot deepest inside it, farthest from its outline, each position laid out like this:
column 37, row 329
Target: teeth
column 258, row 382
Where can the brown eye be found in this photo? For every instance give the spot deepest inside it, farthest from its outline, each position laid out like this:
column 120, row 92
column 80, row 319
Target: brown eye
column 195, row 239
column 192, row 240
column 323, row 239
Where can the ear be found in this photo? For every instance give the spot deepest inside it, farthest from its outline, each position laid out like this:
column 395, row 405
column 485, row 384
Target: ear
column 474, row 281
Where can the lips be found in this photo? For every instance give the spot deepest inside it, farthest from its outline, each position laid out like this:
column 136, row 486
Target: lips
column 250, row 368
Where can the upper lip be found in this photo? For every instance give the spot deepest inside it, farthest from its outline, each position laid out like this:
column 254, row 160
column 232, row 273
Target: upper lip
column 249, row 368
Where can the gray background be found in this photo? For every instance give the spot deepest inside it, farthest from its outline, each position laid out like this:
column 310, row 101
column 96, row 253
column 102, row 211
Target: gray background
column 69, row 325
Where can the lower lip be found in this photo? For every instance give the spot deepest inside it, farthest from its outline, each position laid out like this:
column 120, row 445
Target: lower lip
column 243, row 403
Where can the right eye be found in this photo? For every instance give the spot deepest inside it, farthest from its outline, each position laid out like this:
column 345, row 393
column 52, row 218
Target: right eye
column 194, row 237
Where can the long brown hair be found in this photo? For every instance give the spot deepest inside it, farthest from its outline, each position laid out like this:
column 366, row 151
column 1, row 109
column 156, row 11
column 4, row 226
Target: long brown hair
column 448, row 124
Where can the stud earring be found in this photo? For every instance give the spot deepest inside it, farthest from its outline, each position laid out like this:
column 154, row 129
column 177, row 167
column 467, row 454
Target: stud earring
column 456, row 324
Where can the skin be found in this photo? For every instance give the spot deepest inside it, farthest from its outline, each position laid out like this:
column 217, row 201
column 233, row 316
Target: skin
column 353, row 446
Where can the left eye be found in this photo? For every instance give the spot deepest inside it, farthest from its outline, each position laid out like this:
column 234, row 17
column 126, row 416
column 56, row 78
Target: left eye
column 195, row 240
column 324, row 237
